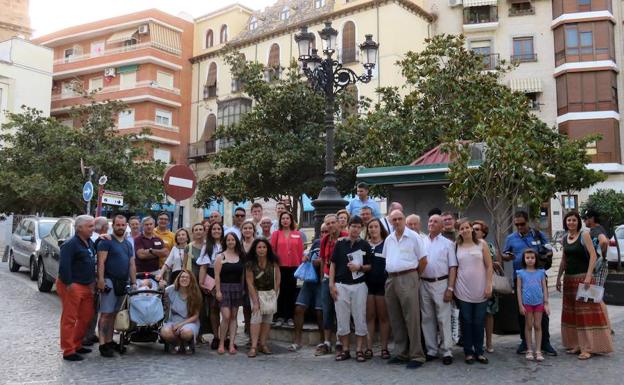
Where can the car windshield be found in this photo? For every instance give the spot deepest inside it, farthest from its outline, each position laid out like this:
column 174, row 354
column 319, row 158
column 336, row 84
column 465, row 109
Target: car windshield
column 44, row 228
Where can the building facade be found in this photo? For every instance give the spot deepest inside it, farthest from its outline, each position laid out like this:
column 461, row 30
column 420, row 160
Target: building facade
column 24, row 67
column 14, row 19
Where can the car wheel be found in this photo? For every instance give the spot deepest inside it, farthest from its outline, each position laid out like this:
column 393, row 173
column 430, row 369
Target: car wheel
column 13, row 266
column 33, row 269
column 43, row 282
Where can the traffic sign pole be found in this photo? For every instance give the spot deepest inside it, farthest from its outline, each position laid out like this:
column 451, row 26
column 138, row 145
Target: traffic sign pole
column 98, row 212
column 176, row 216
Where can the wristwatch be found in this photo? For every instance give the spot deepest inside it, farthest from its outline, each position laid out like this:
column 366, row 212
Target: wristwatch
column 450, row 289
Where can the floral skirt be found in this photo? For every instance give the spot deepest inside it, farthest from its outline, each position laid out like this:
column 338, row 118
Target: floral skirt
column 584, row 325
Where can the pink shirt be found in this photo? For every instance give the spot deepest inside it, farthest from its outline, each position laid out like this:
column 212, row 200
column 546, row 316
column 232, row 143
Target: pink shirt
column 289, row 249
column 471, row 274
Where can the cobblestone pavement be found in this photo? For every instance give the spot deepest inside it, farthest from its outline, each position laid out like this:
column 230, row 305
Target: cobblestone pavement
column 30, row 355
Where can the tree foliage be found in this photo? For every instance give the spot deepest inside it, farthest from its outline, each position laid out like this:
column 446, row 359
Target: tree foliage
column 40, row 161
column 609, row 204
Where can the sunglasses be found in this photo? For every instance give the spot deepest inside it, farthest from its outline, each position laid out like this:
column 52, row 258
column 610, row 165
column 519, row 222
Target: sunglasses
column 240, row 215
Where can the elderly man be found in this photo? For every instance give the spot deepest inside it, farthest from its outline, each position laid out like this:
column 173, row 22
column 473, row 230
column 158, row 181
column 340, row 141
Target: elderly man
column 74, row 287
column 149, row 249
column 449, row 231
column 406, row 259
column 115, row 265
column 362, row 199
column 265, row 227
column 100, row 233
column 436, row 292
column 100, row 228
column 214, row 217
column 387, row 223
column 413, row 223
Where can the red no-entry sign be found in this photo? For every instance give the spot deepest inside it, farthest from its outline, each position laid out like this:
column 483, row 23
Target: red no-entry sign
column 180, row 182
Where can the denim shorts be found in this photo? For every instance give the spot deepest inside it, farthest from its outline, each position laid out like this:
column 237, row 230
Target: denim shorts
column 109, row 302
column 310, row 294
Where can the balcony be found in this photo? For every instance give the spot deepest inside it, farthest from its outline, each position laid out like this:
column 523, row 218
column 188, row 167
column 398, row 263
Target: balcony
column 201, row 149
column 140, row 124
column 490, row 61
column 210, row 91
column 523, row 58
column 106, row 90
column 522, row 9
column 582, row 54
column 482, row 18
column 117, row 50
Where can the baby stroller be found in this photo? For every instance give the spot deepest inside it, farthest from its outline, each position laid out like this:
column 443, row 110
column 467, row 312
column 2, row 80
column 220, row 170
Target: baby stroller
column 146, row 313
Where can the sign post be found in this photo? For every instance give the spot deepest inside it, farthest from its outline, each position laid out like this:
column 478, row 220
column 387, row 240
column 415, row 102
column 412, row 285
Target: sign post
column 180, row 184
column 101, row 182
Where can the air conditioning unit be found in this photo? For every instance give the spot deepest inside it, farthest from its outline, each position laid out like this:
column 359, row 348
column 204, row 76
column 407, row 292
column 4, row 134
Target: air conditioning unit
column 454, row 3
column 143, row 29
column 109, row 72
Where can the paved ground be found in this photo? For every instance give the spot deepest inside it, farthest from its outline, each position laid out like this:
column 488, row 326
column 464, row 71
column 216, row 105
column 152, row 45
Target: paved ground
column 30, row 355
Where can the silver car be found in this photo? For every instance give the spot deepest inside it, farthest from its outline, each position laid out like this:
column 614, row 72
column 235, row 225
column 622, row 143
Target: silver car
column 26, row 243
column 612, row 256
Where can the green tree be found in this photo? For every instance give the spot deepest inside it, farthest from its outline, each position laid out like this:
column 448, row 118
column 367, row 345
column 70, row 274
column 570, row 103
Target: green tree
column 40, row 162
column 609, row 204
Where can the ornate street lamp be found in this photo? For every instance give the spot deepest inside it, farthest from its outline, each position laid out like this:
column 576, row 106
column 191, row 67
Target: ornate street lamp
column 327, row 76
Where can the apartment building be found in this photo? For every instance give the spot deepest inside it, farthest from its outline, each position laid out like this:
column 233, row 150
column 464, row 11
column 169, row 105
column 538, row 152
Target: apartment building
column 140, row 59
column 267, row 37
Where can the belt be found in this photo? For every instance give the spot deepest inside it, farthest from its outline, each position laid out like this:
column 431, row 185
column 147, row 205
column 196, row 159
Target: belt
column 399, row 273
column 442, row 278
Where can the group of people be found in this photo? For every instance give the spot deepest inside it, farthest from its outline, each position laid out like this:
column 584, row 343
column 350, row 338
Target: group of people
column 373, row 275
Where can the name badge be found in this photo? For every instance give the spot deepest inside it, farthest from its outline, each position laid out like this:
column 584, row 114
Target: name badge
column 157, row 243
column 380, row 255
column 295, row 236
column 534, row 243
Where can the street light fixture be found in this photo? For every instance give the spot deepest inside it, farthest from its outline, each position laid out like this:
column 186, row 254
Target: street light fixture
column 327, row 76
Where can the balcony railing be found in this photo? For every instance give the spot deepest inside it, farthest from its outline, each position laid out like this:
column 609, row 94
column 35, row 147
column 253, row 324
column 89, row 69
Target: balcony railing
column 579, row 54
column 524, row 58
column 210, row 92
column 109, row 89
column 113, row 51
column 480, row 15
column 490, row 61
column 152, row 124
column 522, row 11
column 202, row 148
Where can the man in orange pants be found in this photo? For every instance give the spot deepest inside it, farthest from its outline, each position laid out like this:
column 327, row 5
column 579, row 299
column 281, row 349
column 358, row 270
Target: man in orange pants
column 73, row 285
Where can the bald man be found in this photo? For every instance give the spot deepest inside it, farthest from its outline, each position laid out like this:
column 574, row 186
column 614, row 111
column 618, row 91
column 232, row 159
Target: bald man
column 406, row 258
column 387, row 223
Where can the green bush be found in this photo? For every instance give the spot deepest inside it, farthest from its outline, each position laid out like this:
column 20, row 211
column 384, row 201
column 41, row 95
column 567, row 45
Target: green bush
column 609, row 204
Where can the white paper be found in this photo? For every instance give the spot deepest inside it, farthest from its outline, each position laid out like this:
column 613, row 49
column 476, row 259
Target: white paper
column 594, row 293
column 356, row 257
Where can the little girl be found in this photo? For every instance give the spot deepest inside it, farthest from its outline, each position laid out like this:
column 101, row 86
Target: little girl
column 532, row 293
column 178, row 257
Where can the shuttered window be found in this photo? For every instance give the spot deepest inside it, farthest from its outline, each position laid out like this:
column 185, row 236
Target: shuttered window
column 210, row 89
column 274, row 56
column 223, row 36
column 348, row 42
column 210, row 127
column 209, row 39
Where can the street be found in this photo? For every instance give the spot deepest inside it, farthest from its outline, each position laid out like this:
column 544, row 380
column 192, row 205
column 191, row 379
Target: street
column 31, row 355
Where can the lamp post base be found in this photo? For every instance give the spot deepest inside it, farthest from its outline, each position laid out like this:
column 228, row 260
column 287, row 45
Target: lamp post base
column 328, row 202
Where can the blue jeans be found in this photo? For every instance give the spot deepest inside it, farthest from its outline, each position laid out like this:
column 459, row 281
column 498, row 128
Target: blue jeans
column 473, row 322
column 329, row 311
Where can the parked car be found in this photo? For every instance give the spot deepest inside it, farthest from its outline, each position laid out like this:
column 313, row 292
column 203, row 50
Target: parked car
column 48, row 263
column 612, row 257
column 26, row 243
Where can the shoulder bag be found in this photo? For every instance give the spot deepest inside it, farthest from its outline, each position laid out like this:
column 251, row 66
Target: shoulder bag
column 122, row 319
column 268, row 298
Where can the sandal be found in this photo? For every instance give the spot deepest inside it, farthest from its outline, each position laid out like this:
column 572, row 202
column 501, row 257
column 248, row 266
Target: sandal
column 573, row 351
column 359, row 356
column 321, row 349
column 265, row 350
column 342, row 356
column 482, row 360
column 368, row 354
column 294, row 347
column 251, row 353
column 469, row 360
column 221, row 351
column 529, row 355
column 584, row 356
column 233, row 351
column 539, row 356
column 385, row 354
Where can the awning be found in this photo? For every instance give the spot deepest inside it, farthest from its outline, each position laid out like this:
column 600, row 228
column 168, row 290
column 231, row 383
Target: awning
column 165, row 38
column 526, row 85
column 121, row 36
column 127, row 69
column 478, row 3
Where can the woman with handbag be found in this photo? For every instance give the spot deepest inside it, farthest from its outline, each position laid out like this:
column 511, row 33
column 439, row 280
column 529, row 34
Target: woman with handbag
column 288, row 246
column 263, row 282
column 584, row 326
column 206, row 262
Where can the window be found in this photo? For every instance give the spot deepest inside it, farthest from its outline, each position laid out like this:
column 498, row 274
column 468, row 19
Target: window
column 163, row 118
column 481, row 14
column 68, row 123
column 209, row 38
column 210, row 127
column 285, row 13
column 253, row 23
column 578, row 42
column 273, row 64
column 67, row 89
column 348, row 43
column 210, row 89
column 164, row 80
column 126, row 119
column 162, row 155
column 319, row 4
column 223, row 35
column 587, row 91
column 96, row 83
column 532, row 96
column 128, row 44
column 127, row 80
column 483, row 48
column 68, row 54
column 521, row 8
column 592, row 148
column 570, row 202
column 229, row 113
column 97, row 48
column 523, row 50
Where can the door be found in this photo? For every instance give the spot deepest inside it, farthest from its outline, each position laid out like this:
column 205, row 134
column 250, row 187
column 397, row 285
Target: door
column 63, row 229
column 29, row 242
column 17, row 243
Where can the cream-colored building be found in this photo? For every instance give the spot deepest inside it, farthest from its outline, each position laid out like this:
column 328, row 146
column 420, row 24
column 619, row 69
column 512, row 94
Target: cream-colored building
column 25, row 70
column 14, row 19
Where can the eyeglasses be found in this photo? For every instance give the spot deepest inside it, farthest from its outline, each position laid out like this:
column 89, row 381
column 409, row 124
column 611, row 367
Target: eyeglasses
column 240, row 215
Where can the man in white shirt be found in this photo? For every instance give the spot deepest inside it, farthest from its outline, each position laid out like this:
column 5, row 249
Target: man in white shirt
column 280, row 207
column 436, row 292
column 406, row 259
column 413, row 223
column 239, row 218
column 386, row 221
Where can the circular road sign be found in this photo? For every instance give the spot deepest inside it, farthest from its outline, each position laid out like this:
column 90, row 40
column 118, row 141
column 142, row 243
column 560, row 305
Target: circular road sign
column 180, row 182
column 87, row 191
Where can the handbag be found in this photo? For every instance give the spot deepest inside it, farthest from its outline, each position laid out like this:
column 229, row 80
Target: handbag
column 209, row 282
column 306, row 273
column 119, row 286
column 122, row 319
column 501, row 284
column 268, row 299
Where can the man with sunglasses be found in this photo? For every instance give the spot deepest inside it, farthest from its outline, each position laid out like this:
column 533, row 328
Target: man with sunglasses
column 515, row 244
column 239, row 218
